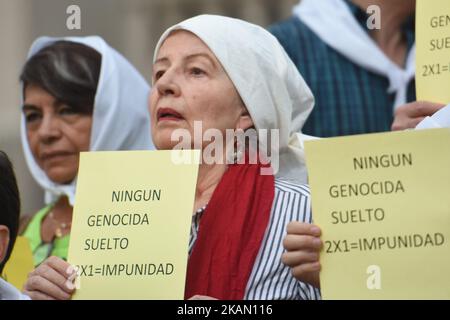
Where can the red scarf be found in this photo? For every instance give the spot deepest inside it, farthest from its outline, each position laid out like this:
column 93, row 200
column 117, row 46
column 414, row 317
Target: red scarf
column 230, row 234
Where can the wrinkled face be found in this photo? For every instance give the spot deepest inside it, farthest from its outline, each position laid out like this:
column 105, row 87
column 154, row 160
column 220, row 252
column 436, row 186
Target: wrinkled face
column 56, row 134
column 191, row 85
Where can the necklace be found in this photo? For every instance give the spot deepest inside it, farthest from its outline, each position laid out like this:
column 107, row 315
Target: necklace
column 59, row 226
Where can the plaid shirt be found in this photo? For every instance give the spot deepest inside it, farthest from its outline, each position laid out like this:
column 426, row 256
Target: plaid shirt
column 349, row 99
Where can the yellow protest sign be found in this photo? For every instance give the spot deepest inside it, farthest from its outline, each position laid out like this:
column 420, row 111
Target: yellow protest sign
column 433, row 50
column 131, row 224
column 20, row 264
column 383, row 203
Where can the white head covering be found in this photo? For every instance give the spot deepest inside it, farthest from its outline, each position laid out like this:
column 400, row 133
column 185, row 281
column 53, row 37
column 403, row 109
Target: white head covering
column 120, row 119
column 270, row 85
column 333, row 22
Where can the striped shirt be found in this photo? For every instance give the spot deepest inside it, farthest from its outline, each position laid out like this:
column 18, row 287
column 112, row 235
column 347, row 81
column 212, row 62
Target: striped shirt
column 270, row 278
column 349, row 98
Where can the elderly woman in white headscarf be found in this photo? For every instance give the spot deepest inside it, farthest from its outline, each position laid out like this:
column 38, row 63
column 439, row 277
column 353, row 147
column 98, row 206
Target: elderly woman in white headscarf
column 228, row 74
column 79, row 94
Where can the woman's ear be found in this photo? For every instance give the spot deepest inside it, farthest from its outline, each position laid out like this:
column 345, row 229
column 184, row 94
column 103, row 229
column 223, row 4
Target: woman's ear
column 4, row 241
column 245, row 121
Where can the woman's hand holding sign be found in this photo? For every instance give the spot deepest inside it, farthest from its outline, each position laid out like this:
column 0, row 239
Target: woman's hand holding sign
column 303, row 245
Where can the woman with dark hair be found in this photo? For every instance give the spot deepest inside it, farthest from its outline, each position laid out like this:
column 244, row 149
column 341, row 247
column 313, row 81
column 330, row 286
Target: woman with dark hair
column 79, row 95
column 9, row 222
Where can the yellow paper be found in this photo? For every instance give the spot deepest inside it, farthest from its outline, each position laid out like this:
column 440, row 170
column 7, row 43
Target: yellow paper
column 433, row 50
column 407, row 196
column 149, row 258
column 20, row 264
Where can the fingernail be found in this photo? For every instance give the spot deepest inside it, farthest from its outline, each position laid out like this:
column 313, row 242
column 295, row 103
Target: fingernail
column 315, row 230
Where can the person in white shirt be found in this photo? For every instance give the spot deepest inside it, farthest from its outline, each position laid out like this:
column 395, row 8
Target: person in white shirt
column 9, row 223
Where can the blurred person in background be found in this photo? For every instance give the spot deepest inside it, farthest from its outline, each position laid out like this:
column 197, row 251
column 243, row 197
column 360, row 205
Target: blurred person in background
column 362, row 78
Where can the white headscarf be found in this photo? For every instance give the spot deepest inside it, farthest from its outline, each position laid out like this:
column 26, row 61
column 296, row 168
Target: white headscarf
column 270, row 85
column 120, row 119
column 333, row 22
